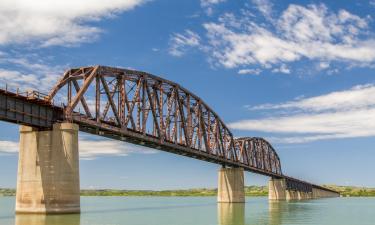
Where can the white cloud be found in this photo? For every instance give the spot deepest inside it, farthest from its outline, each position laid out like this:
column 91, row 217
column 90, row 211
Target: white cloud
column 310, row 32
column 179, row 43
column 49, row 23
column 250, row 71
column 344, row 122
column 211, row 2
column 264, row 6
column 323, row 65
column 8, row 146
column 342, row 114
column 14, row 78
column 28, row 72
column 372, row 3
column 356, row 97
column 91, row 149
column 208, row 4
column 282, row 69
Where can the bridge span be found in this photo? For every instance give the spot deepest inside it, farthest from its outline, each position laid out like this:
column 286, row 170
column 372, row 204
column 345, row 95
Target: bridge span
column 135, row 107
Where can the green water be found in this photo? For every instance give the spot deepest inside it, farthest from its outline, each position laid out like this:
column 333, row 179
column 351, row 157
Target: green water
column 201, row 211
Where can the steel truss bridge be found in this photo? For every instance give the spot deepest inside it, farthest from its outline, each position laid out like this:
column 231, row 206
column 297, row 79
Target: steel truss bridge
column 143, row 109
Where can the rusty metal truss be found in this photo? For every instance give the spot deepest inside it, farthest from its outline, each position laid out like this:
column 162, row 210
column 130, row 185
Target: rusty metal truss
column 145, row 109
column 259, row 153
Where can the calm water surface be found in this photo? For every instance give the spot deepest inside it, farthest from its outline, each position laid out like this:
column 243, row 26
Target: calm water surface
column 201, row 211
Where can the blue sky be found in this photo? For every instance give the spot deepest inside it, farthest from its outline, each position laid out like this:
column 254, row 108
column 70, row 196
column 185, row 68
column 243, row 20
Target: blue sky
column 299, row 73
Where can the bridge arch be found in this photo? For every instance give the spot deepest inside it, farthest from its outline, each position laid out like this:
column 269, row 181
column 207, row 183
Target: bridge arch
column 144, row 109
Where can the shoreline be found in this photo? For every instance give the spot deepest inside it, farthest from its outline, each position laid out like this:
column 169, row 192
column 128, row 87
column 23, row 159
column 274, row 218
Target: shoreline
column 255, row 191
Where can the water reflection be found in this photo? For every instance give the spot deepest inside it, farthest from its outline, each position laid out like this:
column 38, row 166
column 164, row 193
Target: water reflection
column 276, row 211
column 285, row 212
column 231, row 213
column 40, row 219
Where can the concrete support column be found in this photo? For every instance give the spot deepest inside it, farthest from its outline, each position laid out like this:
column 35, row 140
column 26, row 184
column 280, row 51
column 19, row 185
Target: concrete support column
column 48, row 170
column 277, row 189
column 231, row 185
column 292, row 195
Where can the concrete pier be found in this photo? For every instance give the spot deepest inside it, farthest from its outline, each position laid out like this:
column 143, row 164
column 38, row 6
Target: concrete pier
column 48, row 170
column 231, row 185
column 277, row 190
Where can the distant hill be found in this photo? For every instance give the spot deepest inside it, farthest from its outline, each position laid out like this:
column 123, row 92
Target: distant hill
column 346, row 191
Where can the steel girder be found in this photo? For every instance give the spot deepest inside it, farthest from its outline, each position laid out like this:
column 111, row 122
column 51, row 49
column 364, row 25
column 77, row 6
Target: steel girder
column 134, row 104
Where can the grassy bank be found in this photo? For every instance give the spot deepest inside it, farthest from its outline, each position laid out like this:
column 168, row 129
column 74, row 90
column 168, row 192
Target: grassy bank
column 249, row 191
column 350, row 191
column 346, row 191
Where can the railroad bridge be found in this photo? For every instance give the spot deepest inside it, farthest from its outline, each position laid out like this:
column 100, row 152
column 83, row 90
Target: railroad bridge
column 135, row 107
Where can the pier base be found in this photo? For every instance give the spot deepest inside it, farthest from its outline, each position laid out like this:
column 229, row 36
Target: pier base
column 231, row 185
column 48, row 170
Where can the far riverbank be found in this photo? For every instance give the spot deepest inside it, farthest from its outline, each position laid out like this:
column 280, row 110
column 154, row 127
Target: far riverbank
column 346, row 191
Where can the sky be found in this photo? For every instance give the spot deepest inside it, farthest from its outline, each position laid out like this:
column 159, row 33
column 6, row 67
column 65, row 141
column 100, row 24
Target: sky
column 298, row 73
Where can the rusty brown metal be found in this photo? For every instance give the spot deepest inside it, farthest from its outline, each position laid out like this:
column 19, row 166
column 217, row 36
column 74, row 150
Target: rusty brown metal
column 144, row 109
column 163, row 110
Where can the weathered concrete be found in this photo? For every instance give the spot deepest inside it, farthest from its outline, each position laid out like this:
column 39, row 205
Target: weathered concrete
column 48, row 170
column 231, row 213
column 231, row 185
column 292, row 195
column 278, row 191
column 319, row 193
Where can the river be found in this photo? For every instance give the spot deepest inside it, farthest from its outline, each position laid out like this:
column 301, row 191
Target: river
column 201, row 211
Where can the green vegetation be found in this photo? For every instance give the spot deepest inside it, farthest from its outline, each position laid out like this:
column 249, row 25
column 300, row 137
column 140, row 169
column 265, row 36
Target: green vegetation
column 256, row 190
column 349, row 191
column 346, row 191
column 7, row 192
column 189, row 192
column 249, row 191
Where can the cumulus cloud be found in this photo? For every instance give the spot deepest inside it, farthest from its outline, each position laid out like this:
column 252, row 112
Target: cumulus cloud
column 91, row 149
column 356, row 97
column 210, row 2
column 311, row 33
column 208, row 5
column 8, row 146
column 342, row 114
column 250, row 71
column 264, row 7
column 179, row 43
column 282, row 69
column 28, row 72
column 49, row 23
